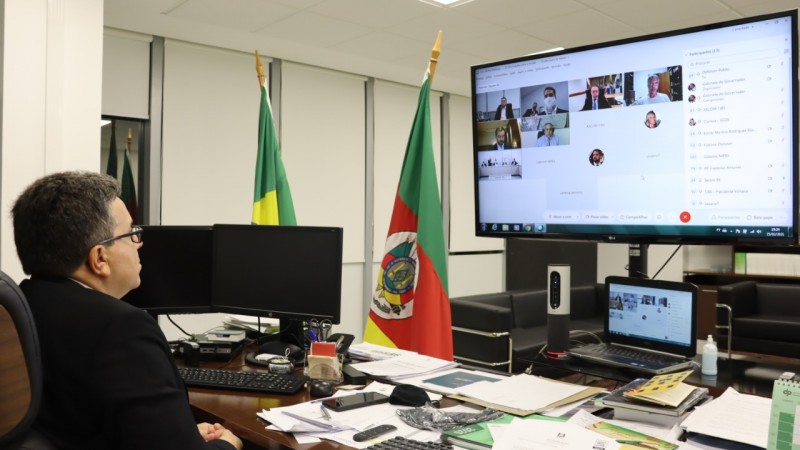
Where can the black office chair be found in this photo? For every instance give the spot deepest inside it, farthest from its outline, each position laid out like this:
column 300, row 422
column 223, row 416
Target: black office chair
column 20, row 372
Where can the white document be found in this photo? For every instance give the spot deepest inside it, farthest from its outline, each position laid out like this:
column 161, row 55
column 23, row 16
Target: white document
column 733, row 416
column 545, row 434
column 372, row 352
column 524, row 392
column 404, row 366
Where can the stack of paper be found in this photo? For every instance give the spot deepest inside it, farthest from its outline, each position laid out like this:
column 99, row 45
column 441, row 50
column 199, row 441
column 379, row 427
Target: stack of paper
column 371, row 352
column 309, row 422
column 524, row 394
column 733, row 416
column 406, row 365
column 251, row 323
column 623, row 399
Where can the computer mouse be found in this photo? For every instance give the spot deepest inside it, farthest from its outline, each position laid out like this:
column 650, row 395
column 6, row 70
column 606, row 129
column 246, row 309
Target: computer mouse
column 321, row 388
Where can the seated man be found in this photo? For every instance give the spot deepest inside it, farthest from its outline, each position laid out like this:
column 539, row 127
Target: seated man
column 550, row 101
column 534, row 111
column 109, row 377
column 500, row 139
column 548, row 138
column 504, row 110
column 595, row 100
column 653, row 95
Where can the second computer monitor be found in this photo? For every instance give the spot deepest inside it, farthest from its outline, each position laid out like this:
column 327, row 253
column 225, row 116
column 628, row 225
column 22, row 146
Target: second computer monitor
column 176, row 270
column 285, row 272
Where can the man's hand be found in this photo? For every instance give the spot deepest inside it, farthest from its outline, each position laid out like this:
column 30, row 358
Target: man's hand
column 216, row 431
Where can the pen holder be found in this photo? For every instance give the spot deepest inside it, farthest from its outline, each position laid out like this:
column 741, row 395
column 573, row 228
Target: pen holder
column 324, row 367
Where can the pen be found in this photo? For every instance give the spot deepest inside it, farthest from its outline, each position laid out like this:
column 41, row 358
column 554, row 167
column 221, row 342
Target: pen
column 313, row 335
column 325, row 414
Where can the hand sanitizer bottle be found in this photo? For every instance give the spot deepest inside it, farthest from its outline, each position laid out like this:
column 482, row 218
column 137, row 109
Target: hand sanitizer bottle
column 709, row 364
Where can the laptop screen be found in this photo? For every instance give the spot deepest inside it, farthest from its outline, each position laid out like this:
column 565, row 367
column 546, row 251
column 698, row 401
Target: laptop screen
column 652, row 314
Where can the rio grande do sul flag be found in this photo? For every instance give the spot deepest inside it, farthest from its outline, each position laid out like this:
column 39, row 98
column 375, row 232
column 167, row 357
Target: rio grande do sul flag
column 272, row 199
column 410, row 308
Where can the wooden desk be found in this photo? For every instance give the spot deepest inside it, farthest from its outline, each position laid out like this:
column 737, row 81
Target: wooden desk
column 237, row 410
column 748, row 374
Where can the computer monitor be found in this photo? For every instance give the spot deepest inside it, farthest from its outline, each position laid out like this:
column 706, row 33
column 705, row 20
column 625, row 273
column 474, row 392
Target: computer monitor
column 290, row 273
column 176, row 270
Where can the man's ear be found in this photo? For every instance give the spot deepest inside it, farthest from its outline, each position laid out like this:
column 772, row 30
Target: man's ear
column 97, row 261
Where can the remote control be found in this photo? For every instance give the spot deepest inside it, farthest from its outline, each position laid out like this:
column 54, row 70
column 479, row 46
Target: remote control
column 373, row 432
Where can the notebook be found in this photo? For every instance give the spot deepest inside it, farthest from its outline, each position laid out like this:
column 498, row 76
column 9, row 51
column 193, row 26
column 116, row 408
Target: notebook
column 649, row 326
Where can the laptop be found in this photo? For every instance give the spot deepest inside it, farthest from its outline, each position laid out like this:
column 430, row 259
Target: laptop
column 649, row 326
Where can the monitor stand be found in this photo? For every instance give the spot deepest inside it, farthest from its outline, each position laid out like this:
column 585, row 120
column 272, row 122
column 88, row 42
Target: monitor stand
column 293, row 332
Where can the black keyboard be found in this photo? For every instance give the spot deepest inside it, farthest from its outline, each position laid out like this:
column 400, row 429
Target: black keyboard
column 265, row 382
column 401, row 443
column 622, row 352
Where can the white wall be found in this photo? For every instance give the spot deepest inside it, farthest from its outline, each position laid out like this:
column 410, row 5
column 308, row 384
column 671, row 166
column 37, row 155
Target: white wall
column 52, row 73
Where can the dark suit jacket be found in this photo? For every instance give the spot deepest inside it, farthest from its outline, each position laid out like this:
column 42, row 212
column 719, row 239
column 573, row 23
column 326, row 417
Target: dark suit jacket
column 509, row 112
column 109, row 378
column 557, row 111
column 602, row 103
column 530, row 112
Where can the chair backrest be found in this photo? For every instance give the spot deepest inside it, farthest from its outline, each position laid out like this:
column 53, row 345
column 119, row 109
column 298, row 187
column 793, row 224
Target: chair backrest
column 20, row 364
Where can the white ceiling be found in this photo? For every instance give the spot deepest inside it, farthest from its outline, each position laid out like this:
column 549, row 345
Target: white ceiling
column 392, row 39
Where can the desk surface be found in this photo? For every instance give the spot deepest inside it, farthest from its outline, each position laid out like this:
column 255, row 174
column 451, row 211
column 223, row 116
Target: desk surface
column 748, row 374
column 237, row 410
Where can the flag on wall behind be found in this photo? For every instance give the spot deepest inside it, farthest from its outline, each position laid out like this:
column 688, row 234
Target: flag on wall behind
column 128, row 194
column 111, row 166
column 410, row 308
column 128, row 191
column 272, row 201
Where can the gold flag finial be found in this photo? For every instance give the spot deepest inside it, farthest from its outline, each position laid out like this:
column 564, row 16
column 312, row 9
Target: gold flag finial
column 130, row 139
column 260, row 70
column 435, row 54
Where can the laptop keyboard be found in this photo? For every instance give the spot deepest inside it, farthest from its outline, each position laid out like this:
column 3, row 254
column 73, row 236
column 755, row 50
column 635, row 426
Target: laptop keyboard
column 623, row 352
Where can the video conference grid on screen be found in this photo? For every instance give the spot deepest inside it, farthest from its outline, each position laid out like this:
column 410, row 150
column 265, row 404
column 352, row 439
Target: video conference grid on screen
column 685, row 130
column 647, row 312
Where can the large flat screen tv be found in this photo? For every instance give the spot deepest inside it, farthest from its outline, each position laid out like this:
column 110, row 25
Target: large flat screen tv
column 681, row 137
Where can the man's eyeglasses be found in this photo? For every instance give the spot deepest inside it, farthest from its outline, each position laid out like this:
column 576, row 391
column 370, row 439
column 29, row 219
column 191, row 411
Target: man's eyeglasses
column 135, row 234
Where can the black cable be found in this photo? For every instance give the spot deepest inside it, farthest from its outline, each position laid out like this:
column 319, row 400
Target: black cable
column 178, row 326
column 667, row 261
column 636, row 272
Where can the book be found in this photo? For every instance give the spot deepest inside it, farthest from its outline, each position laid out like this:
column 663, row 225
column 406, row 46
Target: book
column 666, row 389
column 617, row 399
column 672, row 397
column 783, row 431
column 636, row 415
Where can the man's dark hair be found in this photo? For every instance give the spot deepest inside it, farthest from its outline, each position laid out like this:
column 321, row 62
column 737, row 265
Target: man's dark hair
column 59, row 217
column 550, row 88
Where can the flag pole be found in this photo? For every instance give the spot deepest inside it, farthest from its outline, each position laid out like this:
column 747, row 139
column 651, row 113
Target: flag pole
column 130, row 140
column 435, row 54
